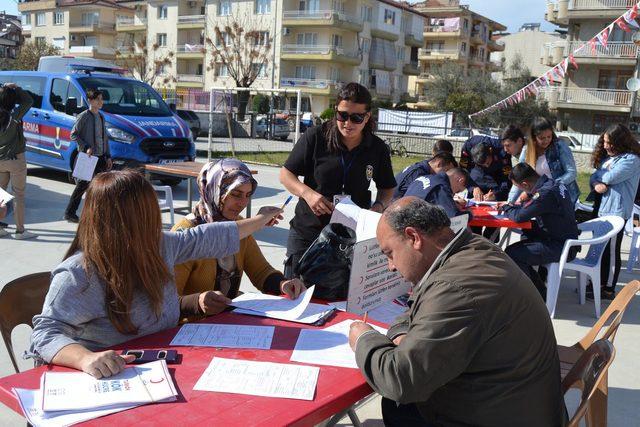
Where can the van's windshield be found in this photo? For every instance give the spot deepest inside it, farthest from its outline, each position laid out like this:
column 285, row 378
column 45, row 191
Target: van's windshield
column 127, row 97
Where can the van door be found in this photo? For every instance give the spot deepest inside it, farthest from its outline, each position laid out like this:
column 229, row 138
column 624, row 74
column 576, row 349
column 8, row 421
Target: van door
column 65, row 102
column 35, row 86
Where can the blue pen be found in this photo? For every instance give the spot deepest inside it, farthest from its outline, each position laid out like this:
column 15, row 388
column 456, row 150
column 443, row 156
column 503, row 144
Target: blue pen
column 286, row 202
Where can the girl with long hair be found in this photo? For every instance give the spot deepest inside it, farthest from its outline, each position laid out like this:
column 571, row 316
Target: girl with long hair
column 616, row 158
column 337, row 159
column 116, row 281
column 226, row 187
column 549, row 156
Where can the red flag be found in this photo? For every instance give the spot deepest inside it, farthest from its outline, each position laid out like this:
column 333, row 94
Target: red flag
column 572, row 59
column 633, row 13
column 592, row 44
column 623, row 25
column 630, row 20
column 603, row 37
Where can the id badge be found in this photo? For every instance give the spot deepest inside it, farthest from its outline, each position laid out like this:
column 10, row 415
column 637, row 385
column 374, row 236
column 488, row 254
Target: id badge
column 337, row 198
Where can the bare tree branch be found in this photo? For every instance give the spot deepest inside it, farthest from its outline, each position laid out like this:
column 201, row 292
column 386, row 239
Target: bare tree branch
column 144, row 62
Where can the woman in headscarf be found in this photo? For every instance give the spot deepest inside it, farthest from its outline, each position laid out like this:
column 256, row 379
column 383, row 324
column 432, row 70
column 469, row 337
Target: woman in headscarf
column 209, row 285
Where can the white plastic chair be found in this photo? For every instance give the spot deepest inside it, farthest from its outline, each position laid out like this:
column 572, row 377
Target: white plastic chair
column 167, row 201
column 629, row 227
column 603, row 229
column 634, row 250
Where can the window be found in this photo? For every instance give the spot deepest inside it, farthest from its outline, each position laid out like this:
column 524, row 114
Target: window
column 602, row 121
column 465, row 25
column 334, row 74
column 435, row 46
column 59, row 42
column 365, row 45
column 260, row 70
column 90, row 18
column 58, row 18
column 366, row 12
column 33, row 85
column 401, row 54
column 338, row 5
column 221, row 70
column 58, row 95
column 262, row 39
column 263, row 6
column 26, row 19
column 223, row 36
column 403, row 23
column 336, row 40
column 363, row 77
column 309, row 5
column 41, row 19
column 161, row 69
column 163, row 11
column 91, row 41
column 40, row 40
column 308, row 39
column 162, row 39
column 613, row 79
column 224, row 7
column 305, row 72
column 389, row 17
column 463, row 48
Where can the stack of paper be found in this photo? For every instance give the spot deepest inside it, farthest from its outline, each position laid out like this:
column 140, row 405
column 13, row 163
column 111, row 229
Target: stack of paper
column 259, row 379
column 385, row 313
column 231, row 336
column 67, row 398
column 329, row 346
column 299, row 310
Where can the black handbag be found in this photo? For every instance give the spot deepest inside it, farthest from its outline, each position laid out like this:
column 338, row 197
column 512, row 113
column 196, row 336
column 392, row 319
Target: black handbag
column 327, row 262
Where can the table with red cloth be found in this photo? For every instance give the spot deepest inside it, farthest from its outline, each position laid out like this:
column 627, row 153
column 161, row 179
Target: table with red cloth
column 337, row 389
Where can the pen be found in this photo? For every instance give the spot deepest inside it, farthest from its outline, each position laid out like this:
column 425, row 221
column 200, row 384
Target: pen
column 364, row 319
column 286, row 202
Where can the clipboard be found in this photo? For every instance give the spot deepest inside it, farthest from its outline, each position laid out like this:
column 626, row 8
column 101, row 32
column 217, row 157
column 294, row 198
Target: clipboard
column 85, row 167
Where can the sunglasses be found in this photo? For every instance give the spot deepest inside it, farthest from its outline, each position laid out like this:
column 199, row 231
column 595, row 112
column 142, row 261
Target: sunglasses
column 357, row 118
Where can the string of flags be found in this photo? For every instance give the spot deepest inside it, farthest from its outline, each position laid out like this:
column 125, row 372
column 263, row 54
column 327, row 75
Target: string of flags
column 626, row 22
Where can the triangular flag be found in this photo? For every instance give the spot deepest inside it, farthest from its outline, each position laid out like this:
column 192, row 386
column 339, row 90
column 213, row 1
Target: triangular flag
column 592, row 43
column 572, row 59
column 623, row 25
column 633, row 13
column 630, row 20
column 603, row 37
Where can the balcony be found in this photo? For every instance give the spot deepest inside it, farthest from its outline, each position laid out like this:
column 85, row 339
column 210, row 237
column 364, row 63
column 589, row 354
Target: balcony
column 321, row 18
column 439, row 32
column 495, row 66
column 616, row 53
column 561, row 11
column 575, row 98
column 26, row 29
column 411, row 68
column 191, row 21
column 131, row 24
column 423, row 77
column 553, row 53
column 190, row 80
column 128, row 50
column 299, row 52
column 439, row 54
column 495, row 46
column 413, row 40
column 190, row 51
column 384, row 31
column 92, row 27
column 477, row 38
column 477, row 61
column 312, row 86
column 98, row 52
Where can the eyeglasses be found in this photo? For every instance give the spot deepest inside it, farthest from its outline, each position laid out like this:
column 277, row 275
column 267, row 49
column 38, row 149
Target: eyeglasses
column 357, row 118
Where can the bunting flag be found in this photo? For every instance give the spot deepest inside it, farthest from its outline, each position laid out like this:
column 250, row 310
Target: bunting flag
column 626, row 22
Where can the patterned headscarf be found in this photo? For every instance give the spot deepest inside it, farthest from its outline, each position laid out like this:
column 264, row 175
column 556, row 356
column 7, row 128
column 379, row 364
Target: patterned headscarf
column 215, row 181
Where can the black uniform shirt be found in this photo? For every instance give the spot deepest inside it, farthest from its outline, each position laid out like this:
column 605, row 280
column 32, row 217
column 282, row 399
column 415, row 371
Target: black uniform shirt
column 326, row 173
column 410, row 174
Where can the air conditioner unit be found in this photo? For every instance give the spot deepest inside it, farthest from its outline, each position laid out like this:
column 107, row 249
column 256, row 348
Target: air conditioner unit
column 286, row 31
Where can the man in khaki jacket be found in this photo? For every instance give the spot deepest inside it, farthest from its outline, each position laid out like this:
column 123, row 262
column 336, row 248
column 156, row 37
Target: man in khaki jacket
column 476, row 346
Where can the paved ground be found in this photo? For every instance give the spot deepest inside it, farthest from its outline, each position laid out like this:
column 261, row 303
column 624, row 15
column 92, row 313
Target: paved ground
column 47, row 195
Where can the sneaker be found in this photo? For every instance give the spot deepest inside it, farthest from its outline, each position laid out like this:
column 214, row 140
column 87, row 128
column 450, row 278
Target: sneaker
column 24, row 235
column 72, row 218
column 3, row 232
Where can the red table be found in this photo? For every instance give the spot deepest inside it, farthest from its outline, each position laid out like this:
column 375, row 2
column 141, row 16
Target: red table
column 482, row 218
column 337, row 389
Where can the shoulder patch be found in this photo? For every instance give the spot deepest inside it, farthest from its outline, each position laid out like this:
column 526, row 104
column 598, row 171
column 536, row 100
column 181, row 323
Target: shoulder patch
column 536, row 196
column 426, row 182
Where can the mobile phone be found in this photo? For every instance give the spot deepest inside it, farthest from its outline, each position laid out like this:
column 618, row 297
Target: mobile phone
column 144, row 356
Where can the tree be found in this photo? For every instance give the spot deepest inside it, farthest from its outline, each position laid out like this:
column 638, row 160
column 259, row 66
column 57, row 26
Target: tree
column 242, row 44
column 146, row 63
column 260, row 104
column 30, row 54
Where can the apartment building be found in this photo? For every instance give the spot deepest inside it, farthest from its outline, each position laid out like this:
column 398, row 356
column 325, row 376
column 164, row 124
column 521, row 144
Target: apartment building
column 454, row 33
column 595, row 95
column 10, row 36
column 84, row 28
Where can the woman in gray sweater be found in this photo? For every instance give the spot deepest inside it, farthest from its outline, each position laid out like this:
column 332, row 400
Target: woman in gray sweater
column 115, row 283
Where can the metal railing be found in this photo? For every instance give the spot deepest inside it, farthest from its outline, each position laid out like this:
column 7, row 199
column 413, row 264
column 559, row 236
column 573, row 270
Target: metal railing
column 95, row 24
column 318, row 50
column 324, row 15
column 601, row 4
column 309, row 83
column 191, row 19
column 590, row 96
column 440, row 29
column 190, row 48
column 92, row 49
column 613, row 50
column 125, row 20
column 438, row 52
column 191, row 78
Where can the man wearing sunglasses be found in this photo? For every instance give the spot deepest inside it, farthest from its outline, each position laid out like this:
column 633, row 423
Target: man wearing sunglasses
column 338, row 159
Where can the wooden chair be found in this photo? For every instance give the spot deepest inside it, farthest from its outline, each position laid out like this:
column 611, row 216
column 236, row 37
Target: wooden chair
column 570, row 355
column 586, row 375
column 20, row 300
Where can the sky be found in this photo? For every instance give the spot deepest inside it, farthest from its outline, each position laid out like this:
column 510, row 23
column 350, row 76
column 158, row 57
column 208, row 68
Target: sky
column 512, row 13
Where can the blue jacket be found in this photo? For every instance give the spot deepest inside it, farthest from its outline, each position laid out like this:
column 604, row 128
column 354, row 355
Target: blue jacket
column 498, row 183
column 621, row 178
column 562, row 166
column 410, row 174
column 497, row 173
column 435, row 189
column 550, row 204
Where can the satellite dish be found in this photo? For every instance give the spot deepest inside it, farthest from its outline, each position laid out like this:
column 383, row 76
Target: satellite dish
column 635, row 38
column 633, row 84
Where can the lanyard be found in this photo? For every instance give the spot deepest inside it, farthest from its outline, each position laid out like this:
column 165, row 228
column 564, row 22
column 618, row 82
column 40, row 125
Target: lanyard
column 345, row 169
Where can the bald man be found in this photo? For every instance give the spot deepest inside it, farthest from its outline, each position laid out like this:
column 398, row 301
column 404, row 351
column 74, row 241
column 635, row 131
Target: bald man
column 476, row 346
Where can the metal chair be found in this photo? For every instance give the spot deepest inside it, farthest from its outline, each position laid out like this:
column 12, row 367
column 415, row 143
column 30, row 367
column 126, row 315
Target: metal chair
column 586, row 375
column 20, row 300
column 167, row 201
column 603, row 229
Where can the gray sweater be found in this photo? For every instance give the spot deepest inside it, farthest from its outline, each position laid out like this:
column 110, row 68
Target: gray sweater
column 83, row 133
column 74, row 310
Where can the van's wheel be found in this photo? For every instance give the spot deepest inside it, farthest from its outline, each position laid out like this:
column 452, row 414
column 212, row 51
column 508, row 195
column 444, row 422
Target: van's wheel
column 172, row 182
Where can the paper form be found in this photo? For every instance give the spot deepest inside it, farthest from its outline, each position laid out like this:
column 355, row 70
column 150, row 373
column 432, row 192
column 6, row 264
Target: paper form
column 385, row 313
column 231, row 336
column 270, row 305
column 73, row 391
column 259, row 379
column 5, row 197
column 85, row 166
column 312, row 314
column 329, row 346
